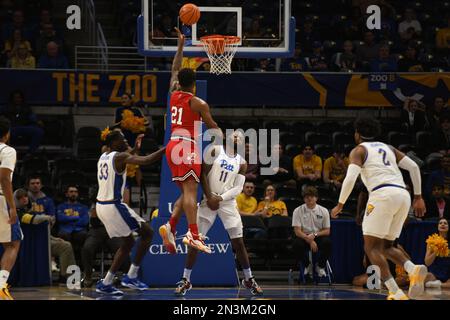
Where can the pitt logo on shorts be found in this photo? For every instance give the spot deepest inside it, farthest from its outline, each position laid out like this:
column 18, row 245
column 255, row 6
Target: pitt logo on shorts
column 369, row 209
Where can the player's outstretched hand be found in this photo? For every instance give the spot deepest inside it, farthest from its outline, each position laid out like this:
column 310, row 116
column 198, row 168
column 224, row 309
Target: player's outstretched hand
column 138, row 143
column 336, row 211
column 419, row 207
column 181, row 37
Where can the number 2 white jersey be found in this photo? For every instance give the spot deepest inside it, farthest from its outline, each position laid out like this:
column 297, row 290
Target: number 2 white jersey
column 223, row 171
column 110, row 182
column 380, row 166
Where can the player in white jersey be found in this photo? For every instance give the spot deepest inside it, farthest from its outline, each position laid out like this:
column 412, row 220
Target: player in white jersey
column 388, row 204
column 10, row 232
column 222, row 181
column 119, row 219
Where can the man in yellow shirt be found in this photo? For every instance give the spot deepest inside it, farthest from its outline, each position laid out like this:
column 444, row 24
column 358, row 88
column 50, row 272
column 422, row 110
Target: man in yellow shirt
column 22, row 59
column 307, row 166
column 443, row 36
column 335, row 168
column 246, row 203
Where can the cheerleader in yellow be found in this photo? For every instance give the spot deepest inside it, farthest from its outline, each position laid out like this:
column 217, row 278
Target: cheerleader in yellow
column 437, row 257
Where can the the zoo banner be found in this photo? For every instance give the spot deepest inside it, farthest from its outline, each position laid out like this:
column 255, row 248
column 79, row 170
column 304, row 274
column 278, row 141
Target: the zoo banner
column 43, row 87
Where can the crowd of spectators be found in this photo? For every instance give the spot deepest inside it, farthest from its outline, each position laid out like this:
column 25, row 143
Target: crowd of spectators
column 29, row 37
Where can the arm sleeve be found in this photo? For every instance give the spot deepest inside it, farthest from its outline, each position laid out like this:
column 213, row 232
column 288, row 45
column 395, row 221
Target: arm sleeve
column 349, row 182
column 84, row 217
column 414, row 171
column 296, row 222
column 236, row 190
column 50, row 207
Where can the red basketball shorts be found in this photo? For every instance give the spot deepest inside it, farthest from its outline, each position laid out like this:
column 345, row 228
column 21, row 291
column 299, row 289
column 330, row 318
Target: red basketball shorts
column 184, row 160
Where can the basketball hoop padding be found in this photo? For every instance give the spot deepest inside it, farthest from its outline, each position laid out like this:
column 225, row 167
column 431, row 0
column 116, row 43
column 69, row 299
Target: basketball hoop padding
column 220, row 50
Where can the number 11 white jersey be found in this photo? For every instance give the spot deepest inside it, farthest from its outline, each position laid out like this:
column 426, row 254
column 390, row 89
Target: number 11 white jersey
column 380, row 166
column 223, row 172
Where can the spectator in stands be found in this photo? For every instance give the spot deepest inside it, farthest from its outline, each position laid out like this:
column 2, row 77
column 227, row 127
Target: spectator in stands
column 247, row 205
column 24, row 209
column 443, row 37
column 385, row 62
column 335, row 168
column 73, row 220
column 251, row 156
column 246, row 202
column 410, row 27
column 24, row 122
column 413, row 115
column 265, row 65
column 307, row 167
column 128, row 103
column 367, row 51
column 308, row 35
column 410, row 61
column 45, row 18
column 11, row 46
column 284, row 172
column 18, row 22
column 53, row 59
column 345, row 61
column 47, row 34
column 41, row 204
column 437, row 205
column 311, row 224
column 388, row 25
column 167, row 27
column 294, row 64
column 96, row 241
column 317, row 60
column 434, row 113
column 255, row 31
column 353, row 26
column 441, row 136
column 439, row 177
column 22, row 59
column 438, row 266
column 270, row 206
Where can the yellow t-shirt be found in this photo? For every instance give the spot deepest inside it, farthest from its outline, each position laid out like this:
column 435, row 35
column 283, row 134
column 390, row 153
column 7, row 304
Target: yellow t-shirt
column 336, row 171
column 28, row 63
column 443, row 38
column 246, row 204
column 275, row 207
column 309, row 167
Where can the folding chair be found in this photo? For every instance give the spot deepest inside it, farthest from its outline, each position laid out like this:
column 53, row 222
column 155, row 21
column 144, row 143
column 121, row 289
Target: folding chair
column 313, row 260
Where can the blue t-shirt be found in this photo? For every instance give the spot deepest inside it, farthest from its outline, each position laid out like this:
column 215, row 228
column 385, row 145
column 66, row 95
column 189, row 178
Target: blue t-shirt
column 72, row 217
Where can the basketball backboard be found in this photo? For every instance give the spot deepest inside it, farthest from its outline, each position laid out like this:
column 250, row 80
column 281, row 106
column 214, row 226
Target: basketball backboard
column 266, row 27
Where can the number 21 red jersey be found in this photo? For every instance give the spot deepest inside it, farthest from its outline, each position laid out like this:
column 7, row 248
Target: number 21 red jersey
column 183, row 118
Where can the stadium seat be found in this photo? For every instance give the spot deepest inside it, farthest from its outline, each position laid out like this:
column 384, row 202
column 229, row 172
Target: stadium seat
column 64, row 164
column 74, row 177
column 292, row 150
column 424, row 141
column 301, row 127
column 341, row 138
column 397, row 138
column 328, row 127
column 323, row 150
column 88, row 148
column 433, row 161
column 313, row 138
column 34, row 163
column 88, row 132
column 259, row 193
column 290, row 138
column 287, row 192
column 291, row 204
column 280, row 125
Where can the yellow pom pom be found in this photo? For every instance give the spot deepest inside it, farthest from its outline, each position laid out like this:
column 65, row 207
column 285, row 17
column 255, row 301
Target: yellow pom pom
column 105, row 133
column 439, row 245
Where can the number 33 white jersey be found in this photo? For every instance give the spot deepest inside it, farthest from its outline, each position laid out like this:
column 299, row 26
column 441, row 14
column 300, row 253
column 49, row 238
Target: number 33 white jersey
column 110, row 182
column 380, row 166
column 223, row 171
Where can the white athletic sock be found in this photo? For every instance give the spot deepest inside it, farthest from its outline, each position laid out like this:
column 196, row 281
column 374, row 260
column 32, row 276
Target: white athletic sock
column 133, row 272
column 4, row 275
column 433, row 284
column 409, row 266
column 392, row 285
column 247, row 274
column 108, row 279
column 187, row 274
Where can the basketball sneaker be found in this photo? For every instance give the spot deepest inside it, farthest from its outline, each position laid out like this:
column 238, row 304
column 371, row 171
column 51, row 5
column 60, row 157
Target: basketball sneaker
column 308, row 272
column 251, row 285
column 4, row 293
column 321, row 272
column 198, row 244
column 183, row 286
column 133, row 283
column 416, row 281
column 399, row 295
column 107, row 289
column 165, row 231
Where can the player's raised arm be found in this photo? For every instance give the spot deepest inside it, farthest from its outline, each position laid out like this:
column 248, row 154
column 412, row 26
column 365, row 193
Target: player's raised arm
column 202, row 107
column 356, row 159
column 177, row 61
column 406, row 163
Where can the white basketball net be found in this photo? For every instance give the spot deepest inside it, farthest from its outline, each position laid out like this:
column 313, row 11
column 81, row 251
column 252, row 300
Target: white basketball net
column 220, row 51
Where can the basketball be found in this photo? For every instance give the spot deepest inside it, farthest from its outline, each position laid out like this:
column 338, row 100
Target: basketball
column 189, row 14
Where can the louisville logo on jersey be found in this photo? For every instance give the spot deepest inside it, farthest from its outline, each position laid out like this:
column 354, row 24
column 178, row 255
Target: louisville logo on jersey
column 369, row 209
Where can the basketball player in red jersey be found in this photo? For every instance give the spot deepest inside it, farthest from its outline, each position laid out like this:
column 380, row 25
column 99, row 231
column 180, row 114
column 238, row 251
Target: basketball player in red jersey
column 183, row 154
